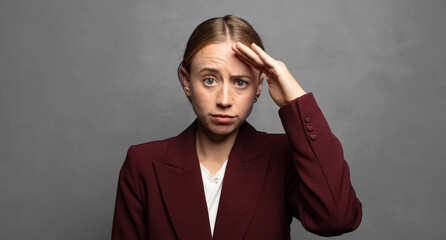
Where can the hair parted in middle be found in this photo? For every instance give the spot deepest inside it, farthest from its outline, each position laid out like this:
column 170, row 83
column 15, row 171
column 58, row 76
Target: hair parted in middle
column 219, row 29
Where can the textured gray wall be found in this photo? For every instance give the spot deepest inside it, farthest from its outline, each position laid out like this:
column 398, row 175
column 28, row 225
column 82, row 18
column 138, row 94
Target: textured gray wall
column 83, row 80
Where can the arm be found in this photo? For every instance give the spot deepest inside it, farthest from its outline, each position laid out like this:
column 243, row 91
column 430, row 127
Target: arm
column 319, row 192
column 129, row 220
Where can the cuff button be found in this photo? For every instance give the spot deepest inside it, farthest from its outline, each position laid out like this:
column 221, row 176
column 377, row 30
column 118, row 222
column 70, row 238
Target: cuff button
column 307, row 118
column 313, row 136
column 310, row 127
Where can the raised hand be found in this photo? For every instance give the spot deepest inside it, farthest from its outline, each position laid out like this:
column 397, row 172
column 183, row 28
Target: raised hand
column 283, row 88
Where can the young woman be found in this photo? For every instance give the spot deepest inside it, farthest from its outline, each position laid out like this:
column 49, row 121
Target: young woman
column 222, row 179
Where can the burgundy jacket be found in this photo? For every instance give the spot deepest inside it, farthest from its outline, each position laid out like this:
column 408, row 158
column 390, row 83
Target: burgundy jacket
column 269, row 179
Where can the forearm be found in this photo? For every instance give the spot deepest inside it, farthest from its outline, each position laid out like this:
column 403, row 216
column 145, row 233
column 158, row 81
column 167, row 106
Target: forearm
column 327, row 201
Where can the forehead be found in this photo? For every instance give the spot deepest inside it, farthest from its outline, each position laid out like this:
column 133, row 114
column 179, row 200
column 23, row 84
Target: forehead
column 220, row 56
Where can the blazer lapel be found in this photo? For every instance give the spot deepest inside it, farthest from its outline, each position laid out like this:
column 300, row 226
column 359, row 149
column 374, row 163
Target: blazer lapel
column 181, row 185
column 242, row 185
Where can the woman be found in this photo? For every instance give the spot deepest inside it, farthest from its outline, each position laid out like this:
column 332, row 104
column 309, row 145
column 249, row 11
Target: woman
column 222, row 179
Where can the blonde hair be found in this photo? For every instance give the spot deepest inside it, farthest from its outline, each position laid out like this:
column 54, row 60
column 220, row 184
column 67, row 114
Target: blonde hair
column 216, row 30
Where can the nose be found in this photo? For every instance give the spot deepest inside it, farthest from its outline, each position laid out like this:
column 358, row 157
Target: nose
column 224, row 96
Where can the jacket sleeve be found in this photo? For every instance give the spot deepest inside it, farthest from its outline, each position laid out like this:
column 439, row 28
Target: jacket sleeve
column 319, row 192
column 129, row 219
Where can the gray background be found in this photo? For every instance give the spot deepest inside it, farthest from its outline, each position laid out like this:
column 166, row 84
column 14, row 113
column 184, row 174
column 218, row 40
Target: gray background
column 83, row 80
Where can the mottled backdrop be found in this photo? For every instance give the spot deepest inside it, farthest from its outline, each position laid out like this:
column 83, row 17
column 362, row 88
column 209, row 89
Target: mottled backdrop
column 80, row 81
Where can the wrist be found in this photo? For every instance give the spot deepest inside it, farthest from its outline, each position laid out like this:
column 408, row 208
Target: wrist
column 294, row 94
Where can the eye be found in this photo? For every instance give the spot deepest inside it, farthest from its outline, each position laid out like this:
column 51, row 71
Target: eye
column 241, row 83
column 209, row 81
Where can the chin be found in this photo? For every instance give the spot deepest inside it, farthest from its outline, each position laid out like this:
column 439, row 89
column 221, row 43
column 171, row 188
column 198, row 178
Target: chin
column 223, row 130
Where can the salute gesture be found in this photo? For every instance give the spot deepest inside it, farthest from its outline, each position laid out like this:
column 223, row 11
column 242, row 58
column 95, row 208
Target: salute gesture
column 283, row 88
column 221, row 78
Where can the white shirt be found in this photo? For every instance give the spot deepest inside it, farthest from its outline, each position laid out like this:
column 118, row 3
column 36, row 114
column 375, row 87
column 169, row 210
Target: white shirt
column 212, row 189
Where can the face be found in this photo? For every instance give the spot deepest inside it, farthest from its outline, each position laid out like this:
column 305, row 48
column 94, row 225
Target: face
column 222, row 88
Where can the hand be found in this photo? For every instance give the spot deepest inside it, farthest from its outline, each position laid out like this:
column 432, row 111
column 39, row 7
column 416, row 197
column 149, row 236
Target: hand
column 283, row 88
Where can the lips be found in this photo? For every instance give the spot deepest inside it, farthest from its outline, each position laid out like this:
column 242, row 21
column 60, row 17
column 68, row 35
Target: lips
column 222, row 118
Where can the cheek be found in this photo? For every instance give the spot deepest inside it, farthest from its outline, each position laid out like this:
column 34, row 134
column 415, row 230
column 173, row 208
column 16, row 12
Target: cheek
column 246, row 101
column 200, row 101
column 250, row 93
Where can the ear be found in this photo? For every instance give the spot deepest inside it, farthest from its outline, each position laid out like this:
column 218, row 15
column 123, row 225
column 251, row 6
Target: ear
column 186, row 81
column 259, row 87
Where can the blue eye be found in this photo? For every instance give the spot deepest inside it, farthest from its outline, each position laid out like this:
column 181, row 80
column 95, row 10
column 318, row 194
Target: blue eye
column 241, row 83
column 209, row 81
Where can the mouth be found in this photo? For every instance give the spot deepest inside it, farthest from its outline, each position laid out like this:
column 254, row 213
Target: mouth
column 222, row 118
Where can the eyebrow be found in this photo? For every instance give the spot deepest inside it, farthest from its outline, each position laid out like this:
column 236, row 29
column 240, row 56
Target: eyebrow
column 217, row 71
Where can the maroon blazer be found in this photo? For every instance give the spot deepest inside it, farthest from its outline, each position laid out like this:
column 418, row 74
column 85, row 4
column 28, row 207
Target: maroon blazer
column 269, row 179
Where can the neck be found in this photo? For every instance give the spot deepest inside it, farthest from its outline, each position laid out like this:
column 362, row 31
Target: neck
column 213, row 150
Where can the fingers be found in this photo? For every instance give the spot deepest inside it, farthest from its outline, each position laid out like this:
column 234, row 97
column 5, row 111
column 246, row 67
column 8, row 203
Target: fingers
column 267, row 59
column 249, row 54
column 244, row 57
column 260, row 60
column 255, row 54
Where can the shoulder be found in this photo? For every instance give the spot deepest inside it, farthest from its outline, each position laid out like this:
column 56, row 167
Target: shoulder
column 148, row 152
column 153, row 147
column 260, row 140
column 272, row 139
column 275, row 137
column 277, row 142
column 263, row 142
column 274, row 148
